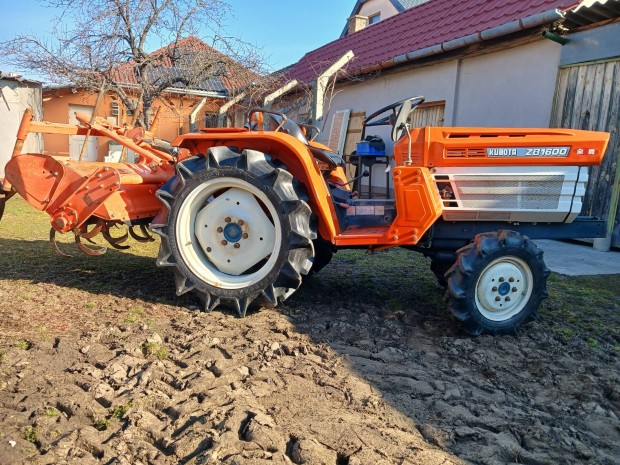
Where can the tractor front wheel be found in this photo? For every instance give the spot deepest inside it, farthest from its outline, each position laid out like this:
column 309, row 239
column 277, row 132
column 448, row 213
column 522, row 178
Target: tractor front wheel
column 238, row 233
column 497, row 283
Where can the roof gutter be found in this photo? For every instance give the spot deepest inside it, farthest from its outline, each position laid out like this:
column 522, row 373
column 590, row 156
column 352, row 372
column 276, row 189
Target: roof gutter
column 493, row 33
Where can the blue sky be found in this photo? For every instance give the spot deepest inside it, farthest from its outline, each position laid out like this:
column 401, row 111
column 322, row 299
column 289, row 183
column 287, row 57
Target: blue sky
column 284, row 29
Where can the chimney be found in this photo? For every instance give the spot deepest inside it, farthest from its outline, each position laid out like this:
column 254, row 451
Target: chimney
column 357, row 23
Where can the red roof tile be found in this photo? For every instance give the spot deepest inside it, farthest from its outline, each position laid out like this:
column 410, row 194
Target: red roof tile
column 432, row 23
column 235, row 75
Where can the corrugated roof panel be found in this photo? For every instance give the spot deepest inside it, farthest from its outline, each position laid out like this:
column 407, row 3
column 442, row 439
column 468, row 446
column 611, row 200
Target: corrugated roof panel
column 590, row 11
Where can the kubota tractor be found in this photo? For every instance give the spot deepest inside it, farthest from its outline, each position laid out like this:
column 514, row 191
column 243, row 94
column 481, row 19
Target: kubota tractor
column 245, row 213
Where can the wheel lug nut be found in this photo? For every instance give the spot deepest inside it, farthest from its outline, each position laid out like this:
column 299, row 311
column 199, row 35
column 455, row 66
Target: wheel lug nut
column 237, row 245
column 514, row 289
column 498, row 298
column 220, row 229
column 208, row 249
column 501, row 280
column 495, row 289
column 507, row 299
column 245, row 235
column 224, row 242
column 240, row 222
column 228, row 220
column 512, row 280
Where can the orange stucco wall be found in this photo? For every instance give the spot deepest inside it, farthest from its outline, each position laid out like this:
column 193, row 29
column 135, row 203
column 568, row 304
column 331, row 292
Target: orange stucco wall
column 173, row 121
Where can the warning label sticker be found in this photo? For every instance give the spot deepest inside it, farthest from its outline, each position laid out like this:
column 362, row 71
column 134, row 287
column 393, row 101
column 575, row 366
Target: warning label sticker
column 366, row 210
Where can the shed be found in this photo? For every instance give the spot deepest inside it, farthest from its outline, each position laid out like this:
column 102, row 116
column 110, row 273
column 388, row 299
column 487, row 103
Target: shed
column 17, row 94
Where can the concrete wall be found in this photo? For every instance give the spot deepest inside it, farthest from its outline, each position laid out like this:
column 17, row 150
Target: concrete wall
column 512, row 88
column 15, row 97
column 174, row 118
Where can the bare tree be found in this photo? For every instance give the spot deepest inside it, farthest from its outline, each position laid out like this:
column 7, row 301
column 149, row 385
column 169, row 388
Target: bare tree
column 105, row 44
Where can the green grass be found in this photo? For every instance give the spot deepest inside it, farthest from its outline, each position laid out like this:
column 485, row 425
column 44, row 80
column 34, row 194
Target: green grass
column 100, row 423
column 27, row 257
column 155, row 349
column 118, row 413
column 51, row 412
column 23, row 345
column 30, row 434
column 584, row 310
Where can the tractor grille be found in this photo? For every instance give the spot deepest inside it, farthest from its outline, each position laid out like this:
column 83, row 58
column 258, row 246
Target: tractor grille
column 511, row 193
column 465, row 153
column 517, row 192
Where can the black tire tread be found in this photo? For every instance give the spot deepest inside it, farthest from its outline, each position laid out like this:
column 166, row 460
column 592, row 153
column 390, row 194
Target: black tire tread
column 463, row 275
column 296, row 214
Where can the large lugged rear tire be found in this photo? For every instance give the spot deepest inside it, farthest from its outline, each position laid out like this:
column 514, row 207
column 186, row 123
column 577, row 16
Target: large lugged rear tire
column 238, row 233
column 497, row 283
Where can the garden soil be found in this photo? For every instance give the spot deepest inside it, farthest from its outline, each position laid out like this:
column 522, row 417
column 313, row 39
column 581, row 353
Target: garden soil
column 131, row 376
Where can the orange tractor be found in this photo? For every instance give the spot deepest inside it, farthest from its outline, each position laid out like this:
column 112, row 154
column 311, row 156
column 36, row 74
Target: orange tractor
column 245, row 213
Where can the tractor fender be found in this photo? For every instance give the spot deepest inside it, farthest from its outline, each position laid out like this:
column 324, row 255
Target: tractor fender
column 287, row 150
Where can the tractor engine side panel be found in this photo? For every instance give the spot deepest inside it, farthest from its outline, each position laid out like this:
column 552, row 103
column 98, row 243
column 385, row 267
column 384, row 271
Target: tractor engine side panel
column 511, row 193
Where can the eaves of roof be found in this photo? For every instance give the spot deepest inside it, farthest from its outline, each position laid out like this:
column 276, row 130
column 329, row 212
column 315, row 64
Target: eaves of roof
column 18, row 78
column 432, row 28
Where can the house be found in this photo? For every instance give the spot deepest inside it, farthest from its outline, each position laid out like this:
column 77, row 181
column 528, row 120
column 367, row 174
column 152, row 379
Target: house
column 368, row 12
column 182, row 107
column 17, row 94
column 511, row 63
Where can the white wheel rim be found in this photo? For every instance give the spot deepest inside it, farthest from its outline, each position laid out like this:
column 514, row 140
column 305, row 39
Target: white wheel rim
column 504, row 288
column 223, row 230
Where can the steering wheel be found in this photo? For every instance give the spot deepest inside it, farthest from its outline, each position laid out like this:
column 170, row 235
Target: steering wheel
column 397, row 118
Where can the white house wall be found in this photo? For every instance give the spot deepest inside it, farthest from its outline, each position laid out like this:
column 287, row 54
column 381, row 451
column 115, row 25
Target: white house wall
column 511, row 88
column 15, row 98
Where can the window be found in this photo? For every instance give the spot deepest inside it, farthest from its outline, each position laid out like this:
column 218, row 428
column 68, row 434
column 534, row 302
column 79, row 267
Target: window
column 372, row 19
column 210, row 120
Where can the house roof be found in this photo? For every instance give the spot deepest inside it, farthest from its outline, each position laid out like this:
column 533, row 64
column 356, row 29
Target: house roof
column 406, row 4
column 18, row 78
column 430, row 24
column 175, row 59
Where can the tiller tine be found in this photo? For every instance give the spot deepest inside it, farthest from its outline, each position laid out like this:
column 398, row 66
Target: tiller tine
column 146, row 236
column 88, row 235
column 115, row 241
column 92, row 251
column 55, row 245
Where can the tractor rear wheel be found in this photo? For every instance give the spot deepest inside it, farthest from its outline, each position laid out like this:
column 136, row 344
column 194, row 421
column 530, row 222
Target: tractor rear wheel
column 497, row 283
column 238, row 234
